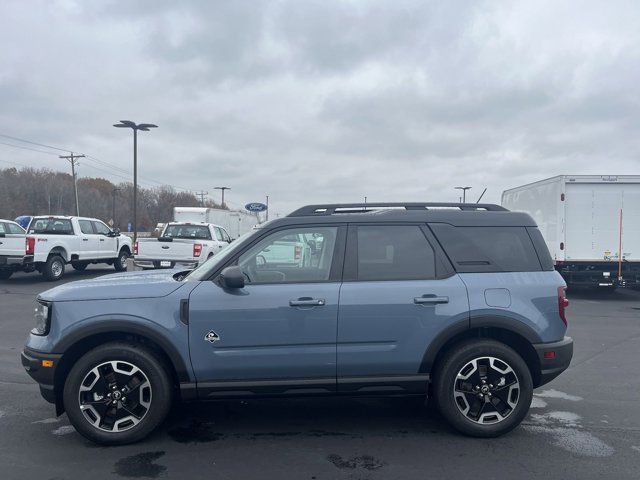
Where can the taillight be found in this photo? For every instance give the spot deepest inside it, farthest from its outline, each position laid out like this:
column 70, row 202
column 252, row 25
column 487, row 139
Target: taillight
column 135, row 248
column 197, row 249
column 29, row 245
column 297, row 252
column 563, row 303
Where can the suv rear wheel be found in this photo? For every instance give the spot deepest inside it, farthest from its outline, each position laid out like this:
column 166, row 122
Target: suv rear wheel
column 117, row 393
column 483, row 388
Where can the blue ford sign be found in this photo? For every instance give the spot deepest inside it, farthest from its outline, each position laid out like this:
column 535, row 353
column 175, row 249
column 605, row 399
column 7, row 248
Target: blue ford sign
column 255, row 207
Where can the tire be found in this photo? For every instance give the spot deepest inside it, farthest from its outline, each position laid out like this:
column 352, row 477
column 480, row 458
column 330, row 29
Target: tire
column 5, row 274
column 151, row 404
column 120, row 263
column 53, row 269
column 501, row 408
column 79, row 266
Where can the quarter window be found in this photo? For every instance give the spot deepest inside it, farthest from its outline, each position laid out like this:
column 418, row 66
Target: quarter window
column 394, row 252
column 293, row 255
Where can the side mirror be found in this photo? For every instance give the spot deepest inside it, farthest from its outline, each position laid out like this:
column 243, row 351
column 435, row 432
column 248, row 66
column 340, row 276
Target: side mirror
column 114, row 233
column 232, row 277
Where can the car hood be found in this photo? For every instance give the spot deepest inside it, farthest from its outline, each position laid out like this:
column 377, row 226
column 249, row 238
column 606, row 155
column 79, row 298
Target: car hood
column 147, row 284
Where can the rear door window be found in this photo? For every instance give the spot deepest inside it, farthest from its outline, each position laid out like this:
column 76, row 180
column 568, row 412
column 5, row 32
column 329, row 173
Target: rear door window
column 488, row 249
column 394, row 252
column 3, row 229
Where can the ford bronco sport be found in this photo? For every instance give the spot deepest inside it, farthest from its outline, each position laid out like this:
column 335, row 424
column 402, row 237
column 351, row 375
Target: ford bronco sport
column 457, row 302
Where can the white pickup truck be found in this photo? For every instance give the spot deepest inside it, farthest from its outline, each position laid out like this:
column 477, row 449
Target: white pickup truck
column 51, row 242
column 12, row 248
column 183, row 244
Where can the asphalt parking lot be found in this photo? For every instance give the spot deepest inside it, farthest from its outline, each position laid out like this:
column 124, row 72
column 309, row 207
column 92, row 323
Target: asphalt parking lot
column 585, row 424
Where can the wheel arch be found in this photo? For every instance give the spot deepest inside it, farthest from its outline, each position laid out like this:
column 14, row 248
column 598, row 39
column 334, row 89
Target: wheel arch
column 60, row 251
column 80, row 342
column 509, row 331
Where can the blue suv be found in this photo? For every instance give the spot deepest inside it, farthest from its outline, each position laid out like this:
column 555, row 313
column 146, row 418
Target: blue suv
column 456, row 302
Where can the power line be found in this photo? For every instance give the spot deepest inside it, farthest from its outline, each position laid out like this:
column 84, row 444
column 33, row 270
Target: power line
column 201, row 194
column 27, row 148
column 34, row 143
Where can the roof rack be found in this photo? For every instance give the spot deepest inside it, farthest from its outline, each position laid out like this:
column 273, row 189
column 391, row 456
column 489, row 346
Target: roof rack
column 332, row 209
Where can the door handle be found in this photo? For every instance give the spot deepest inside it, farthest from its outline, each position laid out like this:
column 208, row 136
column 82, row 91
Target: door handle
column 85, row 239
column 102, row 239
column 430, row 300
column 306, row 302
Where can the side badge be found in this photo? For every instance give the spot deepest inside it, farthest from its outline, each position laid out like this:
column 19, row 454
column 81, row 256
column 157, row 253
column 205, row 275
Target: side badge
column 212, row 337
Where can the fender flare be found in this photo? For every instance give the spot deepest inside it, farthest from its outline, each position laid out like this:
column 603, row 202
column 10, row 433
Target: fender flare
column 126, row 326
column 507, row 323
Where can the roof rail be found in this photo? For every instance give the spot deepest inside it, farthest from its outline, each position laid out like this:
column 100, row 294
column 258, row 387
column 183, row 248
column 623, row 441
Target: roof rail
column 331, row 209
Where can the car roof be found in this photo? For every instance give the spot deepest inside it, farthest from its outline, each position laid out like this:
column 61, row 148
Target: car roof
column 456, row 214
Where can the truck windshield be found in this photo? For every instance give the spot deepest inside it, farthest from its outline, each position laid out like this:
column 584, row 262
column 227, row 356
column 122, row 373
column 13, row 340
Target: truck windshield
column 51, row 226
column 200, row 232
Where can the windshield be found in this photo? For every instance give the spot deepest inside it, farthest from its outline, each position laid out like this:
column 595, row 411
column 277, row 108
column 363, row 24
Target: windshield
column 53, row 226
column 188, row 231
column 203, row 271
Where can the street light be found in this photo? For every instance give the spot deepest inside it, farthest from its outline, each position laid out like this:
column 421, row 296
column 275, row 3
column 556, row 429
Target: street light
column 145, row 128
column 464, row 193
column 223, row 189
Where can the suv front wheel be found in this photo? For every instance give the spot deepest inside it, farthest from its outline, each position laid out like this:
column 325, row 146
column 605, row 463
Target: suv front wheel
column 117, row 393
column 483, row 388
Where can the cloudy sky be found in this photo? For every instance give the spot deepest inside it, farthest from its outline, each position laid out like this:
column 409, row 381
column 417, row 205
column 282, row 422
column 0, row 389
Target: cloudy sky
column 325, row 101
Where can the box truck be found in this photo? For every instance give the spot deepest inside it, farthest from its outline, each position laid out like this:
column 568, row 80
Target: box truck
column 236, row 223
column 591, row 224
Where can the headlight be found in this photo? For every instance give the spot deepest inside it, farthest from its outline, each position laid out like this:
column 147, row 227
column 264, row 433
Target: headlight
column 42, row 314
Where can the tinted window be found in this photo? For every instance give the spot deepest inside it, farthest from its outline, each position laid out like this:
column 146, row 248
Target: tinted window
column 389, row 252
column 51, row 226
column 279, row 259
column 541, row 248
column 200, row 232
column 85, row 227
column 14, row 229
column 488, row 249
column 101, row 228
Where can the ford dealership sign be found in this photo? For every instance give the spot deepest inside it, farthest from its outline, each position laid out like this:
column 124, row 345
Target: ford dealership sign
column 255, row 207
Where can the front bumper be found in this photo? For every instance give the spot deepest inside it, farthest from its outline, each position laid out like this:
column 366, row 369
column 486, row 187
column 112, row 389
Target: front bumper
column 151, row 263
column 554, row 358
column 42, row 367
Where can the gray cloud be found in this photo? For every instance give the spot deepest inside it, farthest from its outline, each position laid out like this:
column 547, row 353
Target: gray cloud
column 328, row 100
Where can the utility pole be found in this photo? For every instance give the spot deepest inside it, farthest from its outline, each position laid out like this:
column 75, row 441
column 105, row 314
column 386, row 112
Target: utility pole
column 464, row 193
column 223, row 189
column 114, row 192
column 73, row 159
column 267, row 211
column 201, row 194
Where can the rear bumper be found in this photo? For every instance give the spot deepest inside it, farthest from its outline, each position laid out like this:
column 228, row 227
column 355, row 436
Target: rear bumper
column 15, row 262
column 152, row 263
column 34, row 363
column 554, row 358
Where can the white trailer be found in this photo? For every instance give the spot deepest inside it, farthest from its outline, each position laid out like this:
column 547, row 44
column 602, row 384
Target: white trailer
column 236, row 223
column 586, row 221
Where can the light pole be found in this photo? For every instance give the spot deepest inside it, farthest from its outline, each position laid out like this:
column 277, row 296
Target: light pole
column 464, row 193
column 114, row 192
column 145, row 128
column 223, row 189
